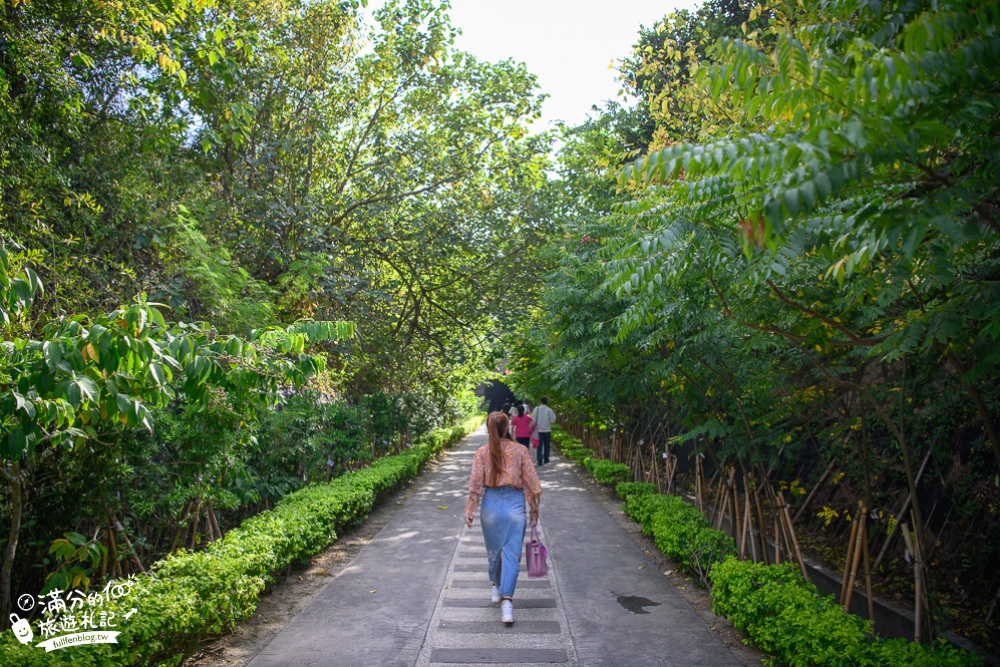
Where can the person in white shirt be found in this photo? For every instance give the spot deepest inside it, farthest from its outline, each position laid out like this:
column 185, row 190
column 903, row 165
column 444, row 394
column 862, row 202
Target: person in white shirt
column 543, row 418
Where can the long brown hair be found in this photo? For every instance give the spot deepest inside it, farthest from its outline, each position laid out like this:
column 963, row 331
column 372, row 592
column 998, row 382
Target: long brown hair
column 496, row 428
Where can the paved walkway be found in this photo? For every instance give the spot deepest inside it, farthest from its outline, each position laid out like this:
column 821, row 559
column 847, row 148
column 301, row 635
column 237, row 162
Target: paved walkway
column 418, row 595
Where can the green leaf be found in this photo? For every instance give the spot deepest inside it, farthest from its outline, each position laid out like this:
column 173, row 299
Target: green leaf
column 158, row 373
column 17, row 443
column 792, row 201
column 76, row 538
column 125, row 406
column 88, row 388
column 52, row 353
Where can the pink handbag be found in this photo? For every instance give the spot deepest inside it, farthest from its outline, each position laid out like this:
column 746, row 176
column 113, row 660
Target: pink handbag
column 535, row 553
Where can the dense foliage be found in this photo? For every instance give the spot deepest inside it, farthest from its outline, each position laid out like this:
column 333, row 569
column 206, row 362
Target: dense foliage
column 787, row 617
column 783, row 261
column 198, row 200
column 800, row 273
column 193, row 595
column 780, row 612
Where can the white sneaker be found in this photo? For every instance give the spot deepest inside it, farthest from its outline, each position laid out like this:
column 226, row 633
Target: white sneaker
column 507, row 612
column 495, row 595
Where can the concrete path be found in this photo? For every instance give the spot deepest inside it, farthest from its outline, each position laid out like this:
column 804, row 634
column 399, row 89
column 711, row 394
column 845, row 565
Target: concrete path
column 418, row 594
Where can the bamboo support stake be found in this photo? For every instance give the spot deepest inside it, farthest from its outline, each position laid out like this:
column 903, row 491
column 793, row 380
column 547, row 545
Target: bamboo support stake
column 750, row 520
column 779, row 523
column 848, row 559
column 673, row 473
column 720, row 513
column 746, row 530
column 868, row 581
column 699, row 483
column 918, row 592
column 708, row 487
column 777, row 541
column 902, row 513
column 812, row 493
column 716, row 502
column 760, row 520
column 735, row 496
column 787, row 515
column 863, row 514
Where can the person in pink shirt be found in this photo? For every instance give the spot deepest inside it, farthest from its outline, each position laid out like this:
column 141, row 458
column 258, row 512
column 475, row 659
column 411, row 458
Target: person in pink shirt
column 522, row 425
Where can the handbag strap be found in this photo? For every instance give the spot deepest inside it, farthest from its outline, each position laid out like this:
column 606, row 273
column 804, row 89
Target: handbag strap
column 534, row 534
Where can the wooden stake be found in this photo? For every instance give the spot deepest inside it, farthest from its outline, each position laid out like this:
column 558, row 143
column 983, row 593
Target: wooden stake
column 787, row 515
column 697, row 484
column 716, row 500
column 857, row 555
column 918, row 592
column 848, row 559
column 760, row 520
column 751, row 531
column 777, row 540
column 746, row 530
column 720, row 513
column 737, row 524
column 868, row 581
column 780, row 530
column 901, row 514
column 812, row 493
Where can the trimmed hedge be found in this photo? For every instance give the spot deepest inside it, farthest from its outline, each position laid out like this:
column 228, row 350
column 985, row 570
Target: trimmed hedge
column 626, row 489
column 785, row 616
column 680, row 532
column 190, row 596
column 780, row 612
column 606, row 472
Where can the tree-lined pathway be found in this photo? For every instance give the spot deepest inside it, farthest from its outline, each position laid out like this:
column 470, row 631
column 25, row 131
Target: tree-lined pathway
column 418, row 593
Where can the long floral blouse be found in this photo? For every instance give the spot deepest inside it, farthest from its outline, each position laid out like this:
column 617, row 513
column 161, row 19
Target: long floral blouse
column 518, row 472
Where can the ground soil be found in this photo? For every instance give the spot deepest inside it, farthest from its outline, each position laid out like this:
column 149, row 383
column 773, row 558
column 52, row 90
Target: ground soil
column 282, row 601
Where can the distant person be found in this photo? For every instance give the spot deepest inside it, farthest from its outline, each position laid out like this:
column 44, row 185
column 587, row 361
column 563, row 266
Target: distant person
column 522, row 424
column 543, row 418
column 507, row 405
column 527, row 408
column 505, row 480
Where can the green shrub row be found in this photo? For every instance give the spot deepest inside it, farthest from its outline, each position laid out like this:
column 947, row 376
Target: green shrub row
column 626, row 489
column 190, row 596
column 779, row 611
column 786, row 616
column 680, row 531
column 604, row 471
column 570, row 447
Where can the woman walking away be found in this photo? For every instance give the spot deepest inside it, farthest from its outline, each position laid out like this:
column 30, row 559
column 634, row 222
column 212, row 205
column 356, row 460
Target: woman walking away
column 504, row 478
column 522, row 423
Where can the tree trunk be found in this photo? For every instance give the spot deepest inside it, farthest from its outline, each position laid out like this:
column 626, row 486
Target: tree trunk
column 16, row 510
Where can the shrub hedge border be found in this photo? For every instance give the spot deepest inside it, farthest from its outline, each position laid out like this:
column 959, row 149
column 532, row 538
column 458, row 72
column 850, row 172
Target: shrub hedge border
column 778, row 611
column 190, row 596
